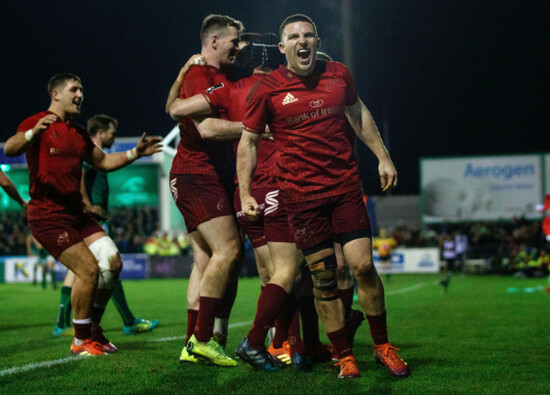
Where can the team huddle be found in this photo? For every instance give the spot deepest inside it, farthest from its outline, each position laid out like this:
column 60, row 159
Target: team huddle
column 266, row 149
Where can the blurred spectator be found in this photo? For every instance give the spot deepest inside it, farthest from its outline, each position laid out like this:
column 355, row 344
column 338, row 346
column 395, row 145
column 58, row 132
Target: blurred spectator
column 515, row 246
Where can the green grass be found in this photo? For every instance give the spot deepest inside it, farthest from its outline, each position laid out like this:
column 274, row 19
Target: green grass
column 477, row 338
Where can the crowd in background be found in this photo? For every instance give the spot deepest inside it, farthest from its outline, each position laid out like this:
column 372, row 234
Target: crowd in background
column 507, row 247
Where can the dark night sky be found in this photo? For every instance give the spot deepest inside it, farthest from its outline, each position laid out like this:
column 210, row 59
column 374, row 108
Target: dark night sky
column 463, row 77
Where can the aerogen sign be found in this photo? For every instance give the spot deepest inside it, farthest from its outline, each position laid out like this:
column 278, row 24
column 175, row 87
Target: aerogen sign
column 481, row 188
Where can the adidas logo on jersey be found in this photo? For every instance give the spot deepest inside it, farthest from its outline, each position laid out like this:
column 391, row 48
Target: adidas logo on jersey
column 289, row 99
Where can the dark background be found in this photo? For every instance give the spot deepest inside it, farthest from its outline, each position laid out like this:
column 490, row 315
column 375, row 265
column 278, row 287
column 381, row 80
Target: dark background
column 452, row 78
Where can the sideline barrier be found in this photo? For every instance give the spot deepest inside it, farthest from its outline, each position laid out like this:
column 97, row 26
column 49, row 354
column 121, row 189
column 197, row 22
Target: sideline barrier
column 19, row 269
column 412, row 260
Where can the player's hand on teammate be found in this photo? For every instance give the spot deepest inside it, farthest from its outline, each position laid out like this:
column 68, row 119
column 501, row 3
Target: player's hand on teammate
column 43, row 123
column 196, row 59
column 250, row 207
column 148, row 146
column 388, row 175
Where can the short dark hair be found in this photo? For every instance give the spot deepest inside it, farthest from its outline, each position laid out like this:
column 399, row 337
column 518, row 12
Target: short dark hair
column 61, row 79
column 100, row 122
column 215, row 23
column 296, row 18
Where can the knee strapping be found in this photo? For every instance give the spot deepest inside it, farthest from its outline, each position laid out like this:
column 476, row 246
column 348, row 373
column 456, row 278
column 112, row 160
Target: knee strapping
column 105, row 252
column 325, row 281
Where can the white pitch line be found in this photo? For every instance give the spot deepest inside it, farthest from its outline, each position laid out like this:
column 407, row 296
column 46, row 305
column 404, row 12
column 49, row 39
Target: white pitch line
column 32, row 366
column 406, row 289
column 169, row 339
column 47, row 364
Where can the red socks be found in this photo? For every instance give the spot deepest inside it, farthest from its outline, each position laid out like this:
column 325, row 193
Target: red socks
column 191, row 323
column 340, row 343
column 378, row 328
column 270, row 303
column 205, row 319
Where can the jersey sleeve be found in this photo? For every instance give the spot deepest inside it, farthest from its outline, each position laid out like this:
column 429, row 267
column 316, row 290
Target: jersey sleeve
column 257, row 112
column 351, row 93
column 196, row 81
column 28, row 123
column 218, row 97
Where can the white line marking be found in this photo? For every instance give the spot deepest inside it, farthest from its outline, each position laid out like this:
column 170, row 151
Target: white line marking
column 406, row 289
column 47, row 364
column 32, row 366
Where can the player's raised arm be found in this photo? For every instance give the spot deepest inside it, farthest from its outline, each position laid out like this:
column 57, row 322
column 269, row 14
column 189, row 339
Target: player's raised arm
column 176, row 86
column 17, row 144
column 247, row 159
column 146, row 146
column 363, row 124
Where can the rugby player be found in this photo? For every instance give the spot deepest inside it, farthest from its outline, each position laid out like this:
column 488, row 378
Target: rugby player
column 306, row 105
column 95, row 195
column 228, row 101
column 201, row 183
column 55, row 147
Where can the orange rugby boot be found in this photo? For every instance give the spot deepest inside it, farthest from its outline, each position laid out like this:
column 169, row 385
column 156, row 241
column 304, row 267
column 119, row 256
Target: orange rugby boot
column 348, row 368
column 385, row 354
column 87, row 348
column 282, row 354
column 97, row 336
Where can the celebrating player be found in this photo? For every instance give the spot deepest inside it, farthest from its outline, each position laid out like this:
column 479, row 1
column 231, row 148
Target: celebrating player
column 95, row 195
column 270, row 236
column 307, row 105
column 55, row 147
column 201, row 182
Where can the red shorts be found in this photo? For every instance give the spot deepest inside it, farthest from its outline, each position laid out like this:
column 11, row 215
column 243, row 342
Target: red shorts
column 57, row 234
column 317, row 220
column 199, row 197
column 273, row 222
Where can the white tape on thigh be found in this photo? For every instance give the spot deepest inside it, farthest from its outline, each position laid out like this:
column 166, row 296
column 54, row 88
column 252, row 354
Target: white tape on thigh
column 105, row 251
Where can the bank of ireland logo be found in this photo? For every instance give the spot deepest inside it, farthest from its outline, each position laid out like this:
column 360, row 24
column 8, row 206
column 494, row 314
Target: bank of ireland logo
column 316, row 103
column 289, row 98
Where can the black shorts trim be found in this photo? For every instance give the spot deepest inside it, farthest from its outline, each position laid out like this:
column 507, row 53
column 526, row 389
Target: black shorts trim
column 345, row 238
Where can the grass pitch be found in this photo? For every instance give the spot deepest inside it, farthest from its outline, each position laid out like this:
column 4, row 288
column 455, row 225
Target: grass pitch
column 476, row 338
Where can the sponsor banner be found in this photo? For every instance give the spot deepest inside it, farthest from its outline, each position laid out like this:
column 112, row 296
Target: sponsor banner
column 481, row 188
column 178, row 266
column 19, row 269
column 411, row 260
column 134, row 266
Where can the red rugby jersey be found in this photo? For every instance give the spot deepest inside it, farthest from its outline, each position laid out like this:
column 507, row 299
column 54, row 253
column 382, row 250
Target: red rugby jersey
column 229, row 100
column 307, row 119
column 195, row 155
column 54, row 158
